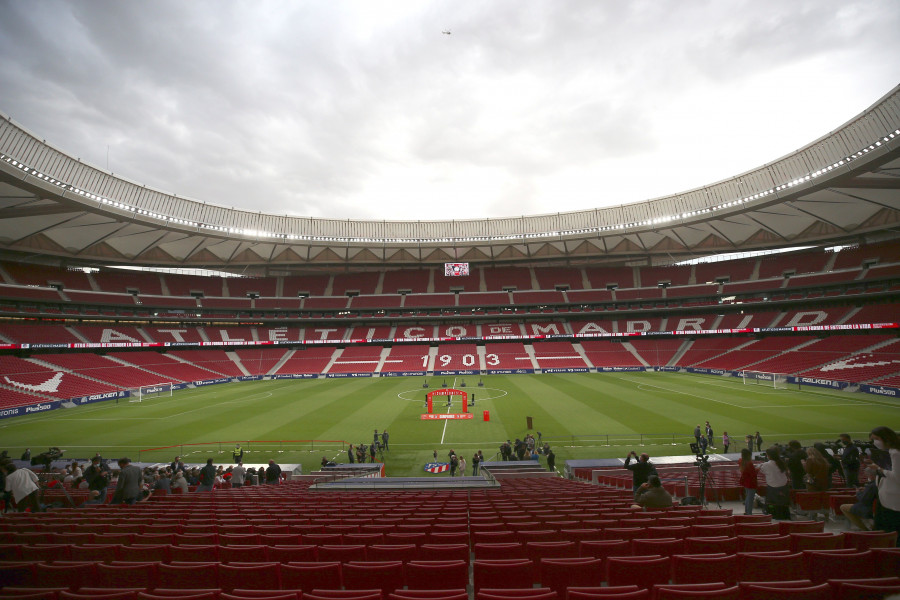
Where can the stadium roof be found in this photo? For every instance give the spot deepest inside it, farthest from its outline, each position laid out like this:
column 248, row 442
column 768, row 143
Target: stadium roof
column 843, row 187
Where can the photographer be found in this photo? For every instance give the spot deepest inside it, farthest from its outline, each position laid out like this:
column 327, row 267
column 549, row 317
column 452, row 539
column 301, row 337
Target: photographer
column 97, row 476
column 641, row 470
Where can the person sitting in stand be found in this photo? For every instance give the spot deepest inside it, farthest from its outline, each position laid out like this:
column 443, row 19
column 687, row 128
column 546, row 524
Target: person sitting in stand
column 651, row 494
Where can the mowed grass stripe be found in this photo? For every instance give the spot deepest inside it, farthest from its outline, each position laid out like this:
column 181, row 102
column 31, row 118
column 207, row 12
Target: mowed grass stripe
column 573, row 411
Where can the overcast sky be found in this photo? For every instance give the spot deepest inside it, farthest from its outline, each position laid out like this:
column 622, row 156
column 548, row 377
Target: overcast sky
column 366, row 109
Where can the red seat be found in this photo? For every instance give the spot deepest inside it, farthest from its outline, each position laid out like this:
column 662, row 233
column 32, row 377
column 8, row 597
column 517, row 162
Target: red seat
column 709, row 530
column 561, row 573
column 296, row 553
column 127, row 574
column 355, row 595
column 249, row 576
column 865, row 590
column 444, row 552
column 705, row 568
column 311, row 575
column 446, row 575
column 247, row 554
column 863, row 540
column 763, row 543
column 496, row 537
column 366, row 539
column 342, row 552
column 516, row 594
column 762, row 592
column 188, row 576
column 384, row 575
column 823, row 565
column 191, row 553
column 439, row 595
column 816, row 541
column 406, row 538
column 66, row 595
column 660, row 546
column 500, row 574
column 144, row 553
column 704, row 591
column 499, row 550
column 448, row 537
column 788, row 527
column 183, row 595
column 401, row 552
column 240, row 539
column 72, row 575
column 770, row 566
column 535, row 551
column 710, row 545
column 608, row 593
column 755, row 528
column 887, row 561
column 244, row 594
column 604, row 548
column 46, row 552
column 642, row 571
column 31, row 593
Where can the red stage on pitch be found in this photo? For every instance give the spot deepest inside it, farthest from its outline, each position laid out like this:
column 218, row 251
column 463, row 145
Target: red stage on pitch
column 426, row 417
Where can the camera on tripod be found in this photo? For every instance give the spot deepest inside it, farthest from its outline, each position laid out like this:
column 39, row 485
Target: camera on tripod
column 702, row 462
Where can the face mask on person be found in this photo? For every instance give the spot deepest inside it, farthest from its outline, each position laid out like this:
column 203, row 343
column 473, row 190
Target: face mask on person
column 878, row 444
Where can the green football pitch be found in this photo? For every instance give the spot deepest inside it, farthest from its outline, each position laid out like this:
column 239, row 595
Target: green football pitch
column 582, row 416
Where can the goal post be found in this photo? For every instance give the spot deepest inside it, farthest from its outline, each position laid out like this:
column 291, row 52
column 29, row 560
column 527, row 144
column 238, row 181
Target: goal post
column 778, row 381
column 157, row 390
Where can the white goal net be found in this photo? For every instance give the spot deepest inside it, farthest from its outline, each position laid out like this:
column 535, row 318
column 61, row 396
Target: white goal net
column 156, row 390
column 777, row 381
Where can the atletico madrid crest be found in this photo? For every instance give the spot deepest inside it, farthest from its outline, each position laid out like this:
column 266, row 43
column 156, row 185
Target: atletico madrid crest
column 437, row 467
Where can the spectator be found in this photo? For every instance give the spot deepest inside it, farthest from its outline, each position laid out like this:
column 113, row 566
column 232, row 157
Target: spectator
column 462, row 466
column 27, row 454
column 551, row 460
column 238, row 475
column 796, row 456
column 273, row 473
column 179, row 482
column 726, row 441
column 475, row 464
column 128, row 484
column 163, row 482
column 748, row 479
column 778, row 498
column 177, row 465
column 749, row 440
column 641, row 470
column 759, row 442
column 651, row 494
column 849, row 460
column 22, row 484
column 207, row 477
column 833, row 464
column 817, row 478
column 887, row 507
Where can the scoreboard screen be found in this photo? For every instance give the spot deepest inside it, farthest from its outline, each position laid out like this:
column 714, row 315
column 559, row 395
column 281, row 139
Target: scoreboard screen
column 456, row 269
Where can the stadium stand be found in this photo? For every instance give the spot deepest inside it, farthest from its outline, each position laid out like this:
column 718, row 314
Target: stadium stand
column 557, row 355
column 168, row 368
column 103, row 369
column 37, row 334
column 359, row 283
column 507, row 278
column 259, row 361
column 749, row 355
column 609, row 353
column 307, row 360
column 187, row 285
column 406, row 357
column 509, row 355
column 216, row 361
column 551, row 278
column 657, row 353
column 411, row 281
column 241, row 287
column 356, row 359
column 457, row 357
column 24, row 375
column 125, row 281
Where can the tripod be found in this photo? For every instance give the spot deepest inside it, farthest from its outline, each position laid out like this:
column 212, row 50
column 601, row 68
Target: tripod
column 706, row 480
